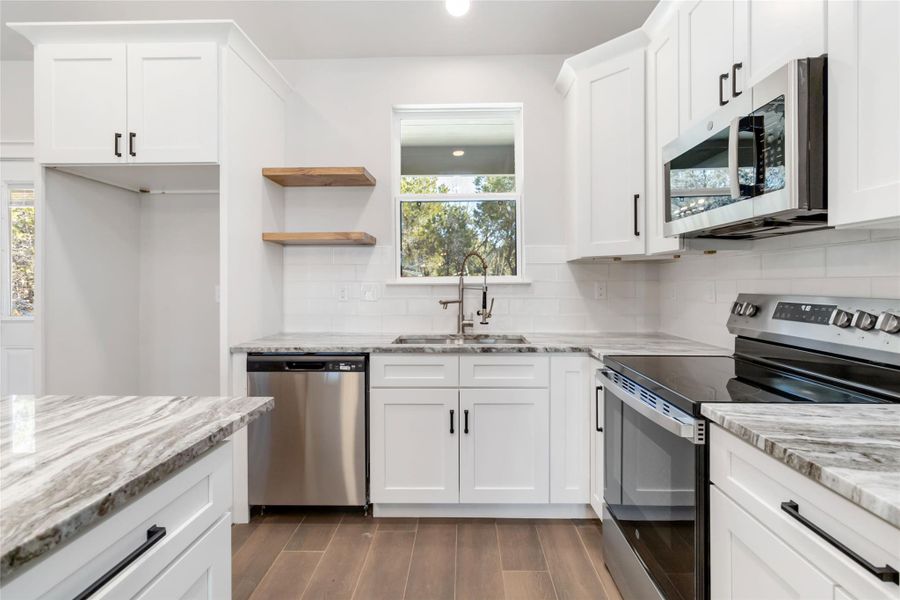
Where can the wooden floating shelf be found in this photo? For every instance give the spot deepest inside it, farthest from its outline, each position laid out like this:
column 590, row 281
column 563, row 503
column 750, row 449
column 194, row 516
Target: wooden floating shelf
column 321, row 238
column 320, row 176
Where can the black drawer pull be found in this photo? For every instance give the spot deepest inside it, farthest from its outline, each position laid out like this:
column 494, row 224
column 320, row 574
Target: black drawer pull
column 131, row 136
column 116, row 139
column 451, row 422
column 637, row 230
column 597, row 409
column 885, row 573
column 466, row 421
column 154, row 534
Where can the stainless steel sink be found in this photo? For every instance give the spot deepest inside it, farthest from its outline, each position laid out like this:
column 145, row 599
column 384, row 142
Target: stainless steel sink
column 451, row 339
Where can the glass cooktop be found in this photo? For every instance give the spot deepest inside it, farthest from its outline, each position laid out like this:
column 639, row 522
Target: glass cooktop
column 688, row 381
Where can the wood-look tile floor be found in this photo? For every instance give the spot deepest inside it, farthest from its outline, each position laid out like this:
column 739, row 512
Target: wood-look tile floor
column 340, row 555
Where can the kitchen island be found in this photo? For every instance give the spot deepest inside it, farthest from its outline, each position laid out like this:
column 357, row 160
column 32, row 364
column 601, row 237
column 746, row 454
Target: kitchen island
column 87, row 480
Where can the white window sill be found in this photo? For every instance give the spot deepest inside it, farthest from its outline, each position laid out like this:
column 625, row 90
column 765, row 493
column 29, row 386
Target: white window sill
column 16, row 319
column 454, row 281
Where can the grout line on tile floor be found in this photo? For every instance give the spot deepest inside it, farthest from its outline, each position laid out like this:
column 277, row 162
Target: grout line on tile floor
column 411, row 554
column 546, row 562
column 591, row 561
column 362, row 569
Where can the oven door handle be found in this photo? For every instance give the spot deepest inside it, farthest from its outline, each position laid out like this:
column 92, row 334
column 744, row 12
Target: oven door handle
column 672, row 425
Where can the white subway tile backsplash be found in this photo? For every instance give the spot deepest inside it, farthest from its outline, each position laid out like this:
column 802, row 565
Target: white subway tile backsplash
column 875, row 259
column 886, row 287
column 798, row 263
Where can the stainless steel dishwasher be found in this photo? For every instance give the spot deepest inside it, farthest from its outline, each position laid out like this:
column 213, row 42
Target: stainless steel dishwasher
column 310, row 450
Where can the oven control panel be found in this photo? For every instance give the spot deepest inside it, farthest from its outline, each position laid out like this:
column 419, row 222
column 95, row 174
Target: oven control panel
column 866, row 328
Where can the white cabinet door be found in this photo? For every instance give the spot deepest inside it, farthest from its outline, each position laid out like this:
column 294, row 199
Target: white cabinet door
column 863, row 119
column 504, row 453
column 173, row 103
column 597, row 457
column 706, row 47
column 769, row 34
column 747, row 561
column 414, row 445
column 80, row 103
column 662, row 128
column 203, row 572
column 570, row 410
column 610, row 180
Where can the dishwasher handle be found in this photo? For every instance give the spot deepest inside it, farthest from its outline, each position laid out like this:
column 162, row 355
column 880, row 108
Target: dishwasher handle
column 280, row 363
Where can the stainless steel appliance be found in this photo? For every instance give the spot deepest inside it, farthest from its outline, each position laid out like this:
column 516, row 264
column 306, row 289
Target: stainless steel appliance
column 756, row 168
column 788, row 349
column 311, row 448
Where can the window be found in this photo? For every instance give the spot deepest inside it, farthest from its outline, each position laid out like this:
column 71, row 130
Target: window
column 19, row 260
column 459, row 187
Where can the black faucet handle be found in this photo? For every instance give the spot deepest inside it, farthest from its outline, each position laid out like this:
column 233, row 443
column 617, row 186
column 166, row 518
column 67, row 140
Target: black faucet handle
column 486, row 313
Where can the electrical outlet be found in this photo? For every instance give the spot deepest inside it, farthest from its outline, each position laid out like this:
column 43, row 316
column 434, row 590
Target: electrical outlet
column 369, row 292
column 599, row 290
column 343, row 292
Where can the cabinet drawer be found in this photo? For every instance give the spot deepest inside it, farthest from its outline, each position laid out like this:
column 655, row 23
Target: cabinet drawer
column 504, row 370
column 201, row 573
column 414, row 370
column 759, row 484
column 186, row 505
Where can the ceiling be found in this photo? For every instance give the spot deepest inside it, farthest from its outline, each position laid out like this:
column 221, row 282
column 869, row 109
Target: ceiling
column 354, row 28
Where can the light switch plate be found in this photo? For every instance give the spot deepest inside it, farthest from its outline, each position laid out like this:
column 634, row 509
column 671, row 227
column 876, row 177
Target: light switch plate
column 599, row 290
column 343, row 292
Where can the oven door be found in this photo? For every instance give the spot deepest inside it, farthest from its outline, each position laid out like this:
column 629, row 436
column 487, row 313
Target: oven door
column 654, row 490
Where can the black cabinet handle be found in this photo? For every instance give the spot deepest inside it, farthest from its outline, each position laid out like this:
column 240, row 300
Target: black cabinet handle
column 131, row 136
column 452, row 431
column 597, row 409
column 637, row 231
column 154, row 535
column 465, row 421
column 722, row 100
column 734, row 69
column 116, row 139
column 886, row 573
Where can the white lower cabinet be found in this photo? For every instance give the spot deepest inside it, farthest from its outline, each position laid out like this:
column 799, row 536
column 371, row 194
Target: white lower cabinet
column 514, row 429
column 597, row 446
column 749, row 562
column 504, row 447
column 760, row 547
column 414, row 445
column 191, row 559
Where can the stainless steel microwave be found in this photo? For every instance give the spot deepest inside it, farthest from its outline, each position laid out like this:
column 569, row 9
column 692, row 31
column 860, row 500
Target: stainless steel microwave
column 757, row 167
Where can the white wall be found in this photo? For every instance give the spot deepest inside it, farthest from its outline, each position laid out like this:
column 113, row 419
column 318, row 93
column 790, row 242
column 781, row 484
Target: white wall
column 16, row 100
column 342, row 116
column 179, row 315
column 696, row 292
column 91, row 290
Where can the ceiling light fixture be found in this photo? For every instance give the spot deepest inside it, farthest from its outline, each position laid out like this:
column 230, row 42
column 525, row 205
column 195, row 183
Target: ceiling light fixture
column 457, row 8
column 458, row 153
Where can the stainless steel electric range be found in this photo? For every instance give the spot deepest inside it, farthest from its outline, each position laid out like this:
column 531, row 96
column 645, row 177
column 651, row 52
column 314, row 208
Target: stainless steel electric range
column 788, row 349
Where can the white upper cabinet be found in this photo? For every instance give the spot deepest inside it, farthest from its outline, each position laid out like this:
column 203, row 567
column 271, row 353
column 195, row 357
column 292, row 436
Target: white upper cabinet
column 706, row 40
column 80, row 103
column 126, row 103
column 172, row 102
column 863, row 118
column 769, row 34
column 607, row 156
column 662, row 128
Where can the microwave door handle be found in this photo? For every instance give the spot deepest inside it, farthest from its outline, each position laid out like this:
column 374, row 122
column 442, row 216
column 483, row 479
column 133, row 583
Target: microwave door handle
column 733, row 131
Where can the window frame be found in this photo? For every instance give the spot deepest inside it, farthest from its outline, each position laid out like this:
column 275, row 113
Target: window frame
column 515, row 111
column 6, row 186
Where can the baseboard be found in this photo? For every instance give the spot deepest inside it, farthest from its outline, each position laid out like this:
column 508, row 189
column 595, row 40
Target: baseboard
column 487, row 511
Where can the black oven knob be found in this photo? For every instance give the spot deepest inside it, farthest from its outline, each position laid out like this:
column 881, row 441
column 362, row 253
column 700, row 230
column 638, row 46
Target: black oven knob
column 840, row 318
column 863, row 320
column 888, row 322
column 736, row 308
column 749, row 310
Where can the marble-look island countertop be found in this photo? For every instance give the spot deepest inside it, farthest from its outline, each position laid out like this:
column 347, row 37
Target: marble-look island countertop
column 852, row 449
column 597, row 345
column 68, row 461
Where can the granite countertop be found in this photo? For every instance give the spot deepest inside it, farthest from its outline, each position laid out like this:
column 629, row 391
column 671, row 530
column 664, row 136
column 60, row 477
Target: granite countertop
column 852, row 449
column 68, row 461
column 597, row 345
